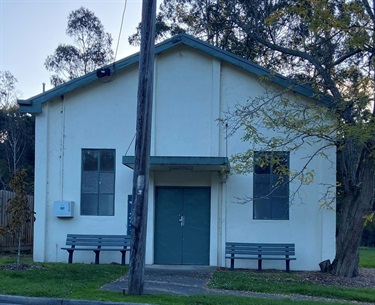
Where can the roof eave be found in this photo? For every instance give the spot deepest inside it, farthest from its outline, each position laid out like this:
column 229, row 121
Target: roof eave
column 34, row 104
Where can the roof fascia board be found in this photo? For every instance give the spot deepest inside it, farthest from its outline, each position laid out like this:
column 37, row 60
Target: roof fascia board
column 34, row 104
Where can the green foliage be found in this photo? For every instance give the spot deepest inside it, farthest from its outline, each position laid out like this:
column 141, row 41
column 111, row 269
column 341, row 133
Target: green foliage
column 293, row 125
column 17, row 209
column 92, row 48
column 209, row 20
column 330, row 46
column 327, row 44
column 16, row 132
column 16, row 145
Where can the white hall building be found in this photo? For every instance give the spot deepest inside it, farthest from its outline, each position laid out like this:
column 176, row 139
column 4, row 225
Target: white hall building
column 84, row 152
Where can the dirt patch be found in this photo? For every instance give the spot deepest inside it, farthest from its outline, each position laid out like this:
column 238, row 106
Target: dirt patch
column 366, row 278
column 20, row 267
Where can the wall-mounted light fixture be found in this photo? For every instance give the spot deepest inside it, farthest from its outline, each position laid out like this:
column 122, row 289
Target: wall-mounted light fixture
column 103, row 72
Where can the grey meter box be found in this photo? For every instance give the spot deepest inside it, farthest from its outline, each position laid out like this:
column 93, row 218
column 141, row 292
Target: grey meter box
column 64, row 209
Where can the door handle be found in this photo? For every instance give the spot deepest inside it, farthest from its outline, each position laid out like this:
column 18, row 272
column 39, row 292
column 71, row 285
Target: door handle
column 182, row 220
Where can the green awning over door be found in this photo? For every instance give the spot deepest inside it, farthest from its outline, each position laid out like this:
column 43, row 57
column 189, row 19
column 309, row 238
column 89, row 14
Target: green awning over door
column 171, row 163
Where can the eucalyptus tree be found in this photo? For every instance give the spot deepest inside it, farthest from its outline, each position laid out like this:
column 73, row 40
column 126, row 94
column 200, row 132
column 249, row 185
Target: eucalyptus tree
column 208, row 20
column 328, row 44
column 8, row 93
column 16, row 145
column 91, row 49
column 16, row 133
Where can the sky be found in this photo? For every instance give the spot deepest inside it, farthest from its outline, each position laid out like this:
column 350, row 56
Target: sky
column 30, row 30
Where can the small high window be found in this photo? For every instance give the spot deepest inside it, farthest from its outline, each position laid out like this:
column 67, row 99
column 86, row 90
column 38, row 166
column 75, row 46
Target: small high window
column 271, row 185
column 98, row 182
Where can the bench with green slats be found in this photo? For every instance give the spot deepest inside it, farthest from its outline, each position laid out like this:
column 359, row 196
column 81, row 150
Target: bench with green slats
column 260, row 252
column 97, row 243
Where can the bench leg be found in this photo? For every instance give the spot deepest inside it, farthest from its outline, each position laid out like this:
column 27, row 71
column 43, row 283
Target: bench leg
column 123, row 256
column 232, row 264
column 97, row 252
column 259, row 265
column 70, row 259
column 287, row 267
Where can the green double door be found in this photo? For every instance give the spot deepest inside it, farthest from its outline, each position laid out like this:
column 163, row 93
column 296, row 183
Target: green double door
column 182, row 225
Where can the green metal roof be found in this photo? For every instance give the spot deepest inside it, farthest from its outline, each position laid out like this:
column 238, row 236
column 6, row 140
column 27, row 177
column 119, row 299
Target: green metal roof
column 34, row 104
column 173, row 163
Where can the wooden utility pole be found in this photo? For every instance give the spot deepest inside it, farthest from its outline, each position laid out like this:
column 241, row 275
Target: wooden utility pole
column 142, row 150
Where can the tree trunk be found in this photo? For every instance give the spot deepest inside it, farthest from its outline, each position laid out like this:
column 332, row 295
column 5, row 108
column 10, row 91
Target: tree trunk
column 348, row 238
column 355, row 202
column 19, row 248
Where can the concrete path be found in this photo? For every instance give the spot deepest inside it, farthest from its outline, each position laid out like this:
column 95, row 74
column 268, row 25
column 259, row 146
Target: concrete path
column 190, row 280
column 179, row 280
column 182, row 280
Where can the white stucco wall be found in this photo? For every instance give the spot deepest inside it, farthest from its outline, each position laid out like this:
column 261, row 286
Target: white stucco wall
column 191, row 91
column 310, row 227
column 85, row 119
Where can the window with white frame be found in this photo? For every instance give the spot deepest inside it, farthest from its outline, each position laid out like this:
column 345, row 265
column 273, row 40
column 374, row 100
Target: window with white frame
column 271, row 185
column 98, row 182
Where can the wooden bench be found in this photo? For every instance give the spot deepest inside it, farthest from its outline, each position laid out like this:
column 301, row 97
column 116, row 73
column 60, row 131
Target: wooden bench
column 97, row 243
column 260, row 252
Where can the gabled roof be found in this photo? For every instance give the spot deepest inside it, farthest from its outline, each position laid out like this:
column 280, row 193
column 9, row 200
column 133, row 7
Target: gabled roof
column 34, row 104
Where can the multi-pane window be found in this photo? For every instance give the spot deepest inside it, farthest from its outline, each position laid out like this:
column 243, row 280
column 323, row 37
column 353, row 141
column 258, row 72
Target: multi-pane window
column 271, row 185
column 98, row 182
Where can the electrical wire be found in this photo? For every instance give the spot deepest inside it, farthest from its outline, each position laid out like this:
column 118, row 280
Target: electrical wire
column 122, row 22
column 126, row 153
column 113, row 74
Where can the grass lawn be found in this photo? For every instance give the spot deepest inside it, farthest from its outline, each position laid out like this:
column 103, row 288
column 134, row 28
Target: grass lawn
column 81, row 281
column 282, row 283
column 367, row 257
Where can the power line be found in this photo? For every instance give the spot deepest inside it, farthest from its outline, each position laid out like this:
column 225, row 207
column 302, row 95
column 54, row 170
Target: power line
column 122, row 22
column 131, row 142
